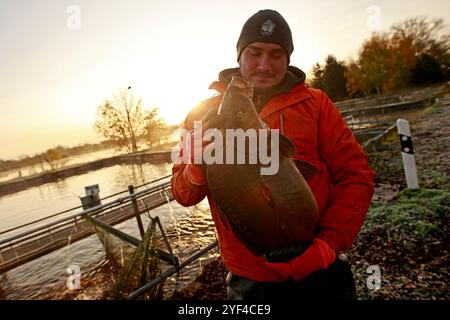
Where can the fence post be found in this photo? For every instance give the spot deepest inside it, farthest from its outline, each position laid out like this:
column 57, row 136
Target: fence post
column 136, row 212
column 409, row 161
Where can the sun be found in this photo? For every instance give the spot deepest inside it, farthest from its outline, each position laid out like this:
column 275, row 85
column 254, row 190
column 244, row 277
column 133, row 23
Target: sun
column 173, row 101
column 173, row 106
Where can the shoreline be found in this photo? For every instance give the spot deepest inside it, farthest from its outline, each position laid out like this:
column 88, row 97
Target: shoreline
column 23, row 183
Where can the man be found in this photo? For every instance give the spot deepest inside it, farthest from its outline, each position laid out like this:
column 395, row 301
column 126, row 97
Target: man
column 342, row 182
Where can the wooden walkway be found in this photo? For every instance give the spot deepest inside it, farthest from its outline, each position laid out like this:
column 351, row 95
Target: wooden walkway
column 40, row 240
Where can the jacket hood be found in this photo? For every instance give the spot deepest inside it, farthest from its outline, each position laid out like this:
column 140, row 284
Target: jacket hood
column 294, row 76
column 292, row 72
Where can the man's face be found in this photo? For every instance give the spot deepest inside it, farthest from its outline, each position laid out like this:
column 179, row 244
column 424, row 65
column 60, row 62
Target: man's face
column 263, row 64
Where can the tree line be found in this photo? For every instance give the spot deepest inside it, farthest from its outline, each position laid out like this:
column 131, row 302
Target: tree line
column 412, row 53
column 51, row 157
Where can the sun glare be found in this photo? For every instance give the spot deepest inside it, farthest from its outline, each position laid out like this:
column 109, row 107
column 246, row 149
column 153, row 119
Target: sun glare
column 171, row 85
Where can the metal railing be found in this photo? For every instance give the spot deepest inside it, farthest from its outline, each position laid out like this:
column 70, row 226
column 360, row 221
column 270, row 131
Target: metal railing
column 72, row 220
column 79, row 207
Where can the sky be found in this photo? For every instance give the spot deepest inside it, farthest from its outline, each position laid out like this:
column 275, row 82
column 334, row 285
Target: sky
column 60, row 59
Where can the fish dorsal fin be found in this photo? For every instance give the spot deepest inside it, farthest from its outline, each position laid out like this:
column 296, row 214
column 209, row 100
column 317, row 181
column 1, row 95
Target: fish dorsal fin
column 218, row 86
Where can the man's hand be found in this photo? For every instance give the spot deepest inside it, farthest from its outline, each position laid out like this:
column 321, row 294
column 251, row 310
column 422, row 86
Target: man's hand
column 318, row 256
column 195, row 170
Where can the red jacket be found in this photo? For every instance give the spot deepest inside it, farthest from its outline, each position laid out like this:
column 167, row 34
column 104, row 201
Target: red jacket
column 343, row 186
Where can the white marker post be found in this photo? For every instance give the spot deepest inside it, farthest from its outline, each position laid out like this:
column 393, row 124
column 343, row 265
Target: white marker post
column 409, row 162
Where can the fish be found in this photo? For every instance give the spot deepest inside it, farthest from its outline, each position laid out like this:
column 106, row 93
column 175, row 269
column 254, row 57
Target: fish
column 269, row 214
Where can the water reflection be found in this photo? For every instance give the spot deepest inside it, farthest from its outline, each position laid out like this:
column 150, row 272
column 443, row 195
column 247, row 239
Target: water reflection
column 38, row 202
column 60, row 186
column 138, row 174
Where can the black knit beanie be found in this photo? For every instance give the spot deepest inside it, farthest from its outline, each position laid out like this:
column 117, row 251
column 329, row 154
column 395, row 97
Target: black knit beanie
column 266, row 26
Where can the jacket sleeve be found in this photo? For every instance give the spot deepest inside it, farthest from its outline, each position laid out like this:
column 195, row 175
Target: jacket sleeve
column 189, row 185
column 183, row 189
column 352, row 178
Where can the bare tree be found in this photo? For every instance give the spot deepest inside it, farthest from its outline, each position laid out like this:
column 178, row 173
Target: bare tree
column 121, row 120
column 423, row 35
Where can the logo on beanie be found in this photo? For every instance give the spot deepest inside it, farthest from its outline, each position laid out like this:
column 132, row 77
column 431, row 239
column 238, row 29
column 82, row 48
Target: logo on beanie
column 267, row 28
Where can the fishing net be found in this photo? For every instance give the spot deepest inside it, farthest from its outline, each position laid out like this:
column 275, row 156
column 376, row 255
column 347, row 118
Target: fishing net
column 143, row 266
column 137, row 266
column 117, row 250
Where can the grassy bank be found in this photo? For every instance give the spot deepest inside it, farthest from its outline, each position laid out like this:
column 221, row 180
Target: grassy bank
column 407, row 239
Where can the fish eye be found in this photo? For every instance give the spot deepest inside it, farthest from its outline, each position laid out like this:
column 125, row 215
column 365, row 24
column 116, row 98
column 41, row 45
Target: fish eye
column 239, row 114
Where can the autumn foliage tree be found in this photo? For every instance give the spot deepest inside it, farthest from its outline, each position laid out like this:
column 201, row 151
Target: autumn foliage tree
column 374, row 65
column 416, row 41
column 415, row 51
column 353, row 77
